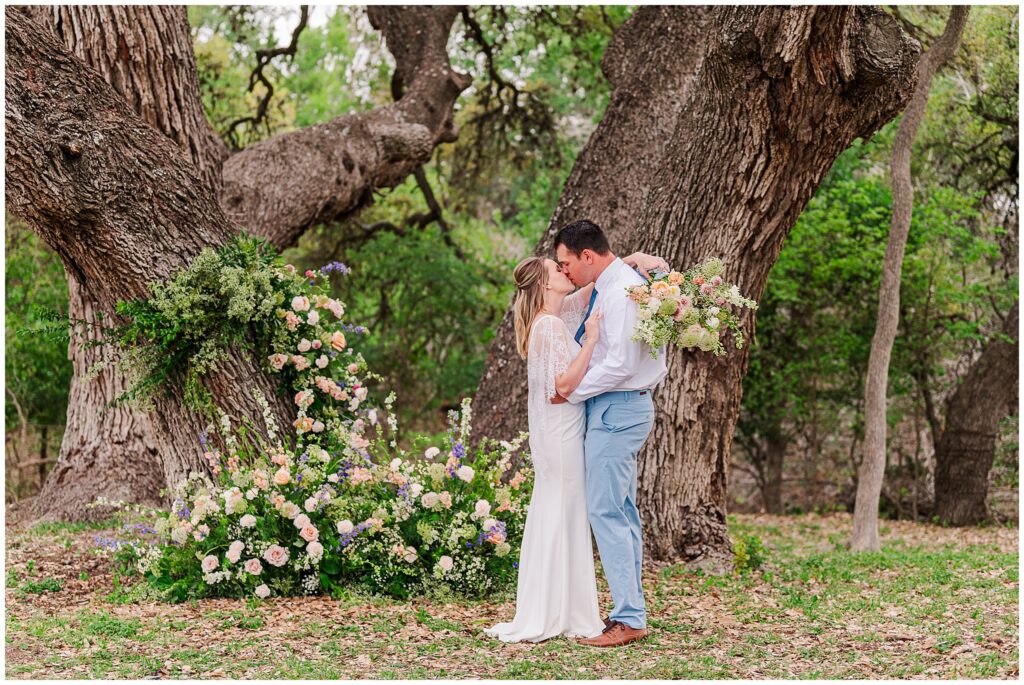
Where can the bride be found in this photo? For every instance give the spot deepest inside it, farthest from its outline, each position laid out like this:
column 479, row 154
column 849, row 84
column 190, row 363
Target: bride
column 557, row 588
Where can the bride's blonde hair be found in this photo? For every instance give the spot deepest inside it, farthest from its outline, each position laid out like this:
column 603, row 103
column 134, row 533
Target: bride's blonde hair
column 530, row 275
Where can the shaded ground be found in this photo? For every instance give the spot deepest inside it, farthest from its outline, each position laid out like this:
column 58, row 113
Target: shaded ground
column 935, row 603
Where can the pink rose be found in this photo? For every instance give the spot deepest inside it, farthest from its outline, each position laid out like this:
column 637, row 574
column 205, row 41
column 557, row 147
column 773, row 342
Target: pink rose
column 317, row 344
column 304, row 345
column 263, row 591
column 313, row 318
column 277, row 361
column 300, row 303
column 210, row 563
column 338, row 340
column 254, row 567
column 276, row 555
column 352, row 368
column 309, row 533
column 301, row 363
column 322, row 361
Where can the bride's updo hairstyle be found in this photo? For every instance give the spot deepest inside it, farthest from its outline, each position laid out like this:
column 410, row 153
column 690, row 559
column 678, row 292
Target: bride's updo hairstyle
column 530, row 275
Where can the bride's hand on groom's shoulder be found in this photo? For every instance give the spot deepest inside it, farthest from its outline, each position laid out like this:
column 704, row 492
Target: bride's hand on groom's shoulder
column 645, row 263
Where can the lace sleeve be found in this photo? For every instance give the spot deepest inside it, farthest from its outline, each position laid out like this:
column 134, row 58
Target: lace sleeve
column 574, row 308
column 548, row 356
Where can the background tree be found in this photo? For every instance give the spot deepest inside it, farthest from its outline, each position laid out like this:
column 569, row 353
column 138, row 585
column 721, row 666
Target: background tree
column 872, row 468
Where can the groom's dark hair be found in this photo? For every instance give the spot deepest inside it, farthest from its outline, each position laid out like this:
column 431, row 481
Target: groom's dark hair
column 582, row 235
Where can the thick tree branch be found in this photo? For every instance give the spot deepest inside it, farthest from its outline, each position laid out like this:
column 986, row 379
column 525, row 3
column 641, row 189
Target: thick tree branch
column 280, row 187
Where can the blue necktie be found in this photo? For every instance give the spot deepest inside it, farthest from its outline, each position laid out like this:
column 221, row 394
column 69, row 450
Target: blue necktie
column 582, row 328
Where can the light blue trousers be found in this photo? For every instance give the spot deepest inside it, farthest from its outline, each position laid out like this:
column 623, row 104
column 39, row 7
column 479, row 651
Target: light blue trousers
column 618, row 424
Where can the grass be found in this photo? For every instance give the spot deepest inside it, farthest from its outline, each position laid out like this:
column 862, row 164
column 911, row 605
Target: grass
column 934, row 602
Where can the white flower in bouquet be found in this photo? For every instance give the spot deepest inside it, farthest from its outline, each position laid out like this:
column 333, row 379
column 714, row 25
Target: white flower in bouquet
column 431, row 452
column 301, row 521
column 289, row 510
column 247, row 521
column 430, row 500
column 235, row 550
column 345, row 527
column 415, row 490
column 315, row 551
column 262, row 591
column 466, row 473
column 446, row 563
column 310, row 504
column 483, row 508
column 254, row 567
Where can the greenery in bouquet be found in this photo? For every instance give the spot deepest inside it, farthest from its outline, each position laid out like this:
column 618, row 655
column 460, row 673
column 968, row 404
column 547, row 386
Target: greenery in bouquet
column 688, row 309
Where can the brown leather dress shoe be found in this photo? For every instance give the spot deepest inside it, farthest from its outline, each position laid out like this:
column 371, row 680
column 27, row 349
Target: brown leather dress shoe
column 615, row 635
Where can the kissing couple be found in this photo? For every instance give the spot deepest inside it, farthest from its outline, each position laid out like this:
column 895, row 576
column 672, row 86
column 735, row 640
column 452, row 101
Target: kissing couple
column 590, row 411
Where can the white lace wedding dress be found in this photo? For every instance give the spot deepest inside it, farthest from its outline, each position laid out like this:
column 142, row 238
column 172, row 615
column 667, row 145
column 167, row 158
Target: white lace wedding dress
column 557, row 590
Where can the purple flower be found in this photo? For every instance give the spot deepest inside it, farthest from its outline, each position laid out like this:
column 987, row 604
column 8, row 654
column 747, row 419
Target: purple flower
column 335, row 266
column 459, row 450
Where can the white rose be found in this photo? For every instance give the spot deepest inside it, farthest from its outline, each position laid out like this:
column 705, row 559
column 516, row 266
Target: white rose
column 301, row 521
column 304, row 345
column 315, row 551
column 395, row 463
column 446, row 563
column 713, row 323
column 247, row 521
column 431, row 452
column 345, row 527
column 466, row 473
column 313, row 318
column 262, row 591
column 430, row 500
column 310, row 504
column 210, row 563
column 415, row 489
column 483, row 508
column 322, row 361
column 235, row 551
column 713, row 311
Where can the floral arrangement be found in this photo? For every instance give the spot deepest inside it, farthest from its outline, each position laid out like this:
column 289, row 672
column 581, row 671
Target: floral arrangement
column 333, row 501
column 688, row 309
column 276, row 521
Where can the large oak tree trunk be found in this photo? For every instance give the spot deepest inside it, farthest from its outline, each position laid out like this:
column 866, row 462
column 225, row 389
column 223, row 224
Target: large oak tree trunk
column 776, row 95
column 964, row 454
column 145, row 53
column 872, row 466
column 120, row 203
column 276, row 189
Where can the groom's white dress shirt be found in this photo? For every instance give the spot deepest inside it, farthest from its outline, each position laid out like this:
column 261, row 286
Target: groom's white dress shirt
column 618, row 363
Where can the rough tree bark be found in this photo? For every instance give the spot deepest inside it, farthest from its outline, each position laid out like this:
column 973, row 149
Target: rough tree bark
column 146, row 54
column 776, row 95
column 872, row 466
column 964, row 454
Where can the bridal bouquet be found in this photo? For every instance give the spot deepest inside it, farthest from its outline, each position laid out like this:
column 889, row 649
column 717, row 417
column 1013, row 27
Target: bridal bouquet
column 689, row 309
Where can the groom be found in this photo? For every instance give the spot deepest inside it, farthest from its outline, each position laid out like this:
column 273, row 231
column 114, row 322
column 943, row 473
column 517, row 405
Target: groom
column 620, row 413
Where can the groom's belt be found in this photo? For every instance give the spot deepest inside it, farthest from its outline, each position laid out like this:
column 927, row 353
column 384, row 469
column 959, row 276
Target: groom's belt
column 622, row 394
